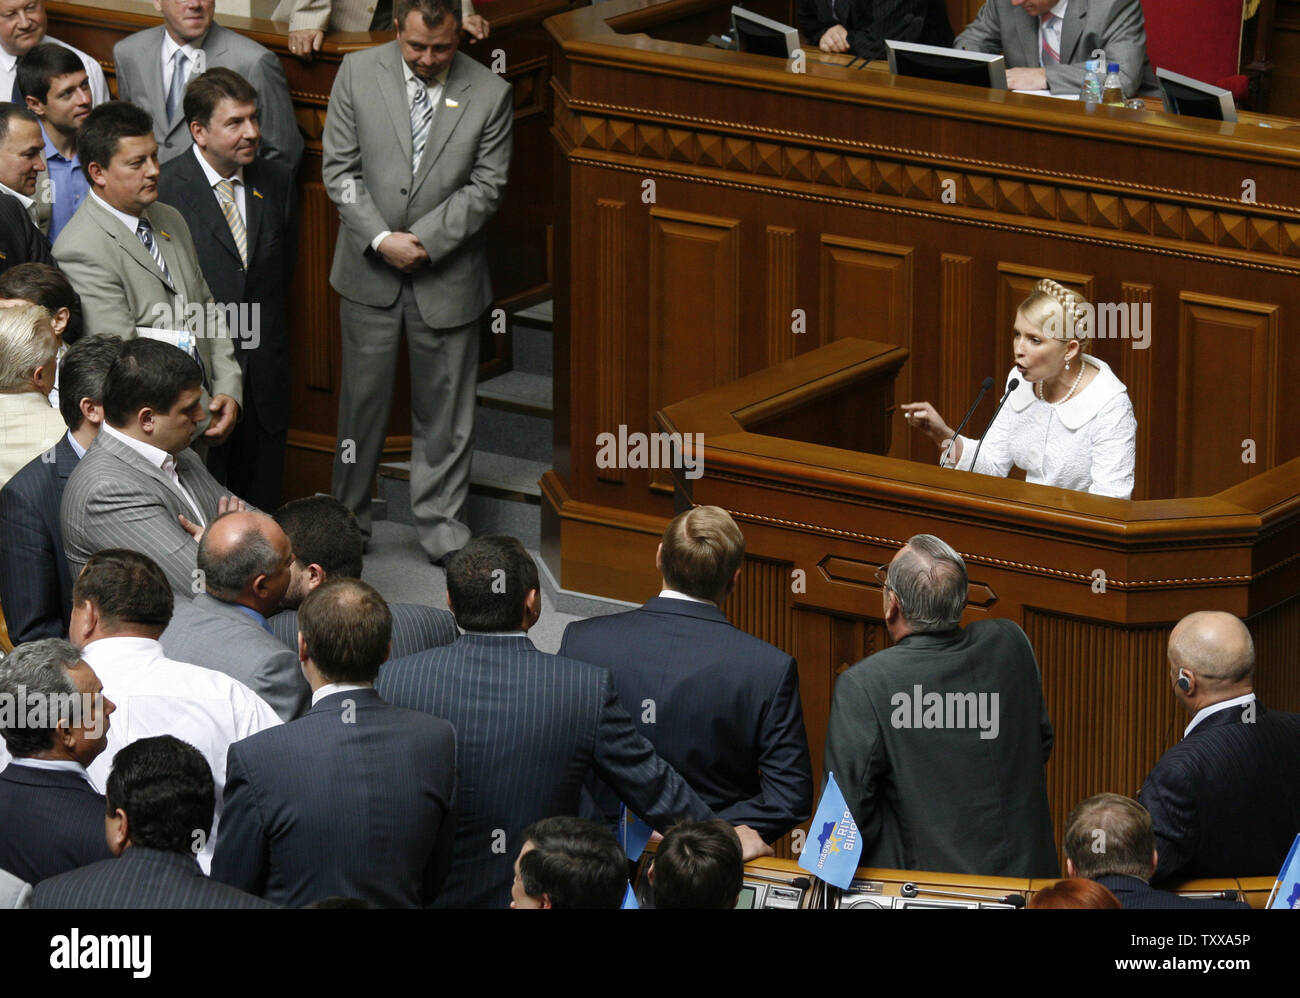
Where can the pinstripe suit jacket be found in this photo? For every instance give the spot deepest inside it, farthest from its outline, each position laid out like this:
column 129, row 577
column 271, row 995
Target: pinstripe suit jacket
column 529, row 728
column 116, row 499
column 415, row 628
column 1225, row 801
column 50, row 821
column 35, row 586
column 726, row 710
column 354, row 799
column 141, row 878
column 207, row 632
column 1114, row 25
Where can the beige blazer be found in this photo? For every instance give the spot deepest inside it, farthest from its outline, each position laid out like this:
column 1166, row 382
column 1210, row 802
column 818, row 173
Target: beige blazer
column 28, row 427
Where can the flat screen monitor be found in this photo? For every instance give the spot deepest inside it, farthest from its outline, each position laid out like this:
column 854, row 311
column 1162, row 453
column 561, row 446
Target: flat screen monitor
column 930, row 62
column 761, row 35
column 1194, row 99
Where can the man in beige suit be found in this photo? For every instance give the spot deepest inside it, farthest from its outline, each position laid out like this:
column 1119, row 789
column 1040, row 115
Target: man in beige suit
column 28, row 425
column 133, row 263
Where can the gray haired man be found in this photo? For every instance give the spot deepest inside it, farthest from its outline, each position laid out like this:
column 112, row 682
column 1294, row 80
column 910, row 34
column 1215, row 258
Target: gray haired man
column 938, row 742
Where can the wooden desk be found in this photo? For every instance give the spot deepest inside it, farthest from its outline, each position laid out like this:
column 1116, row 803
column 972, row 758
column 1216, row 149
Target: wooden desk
column 519, row 240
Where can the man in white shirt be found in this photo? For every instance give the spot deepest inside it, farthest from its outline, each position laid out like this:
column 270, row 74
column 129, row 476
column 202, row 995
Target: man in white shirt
column 139, row 485
column 121, row 603
column 1224, row 801
column 22, row 28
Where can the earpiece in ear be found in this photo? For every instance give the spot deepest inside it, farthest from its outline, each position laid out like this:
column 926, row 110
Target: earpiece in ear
column 1184, row 681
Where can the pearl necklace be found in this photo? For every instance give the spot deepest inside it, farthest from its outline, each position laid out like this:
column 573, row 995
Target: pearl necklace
column 1039, row 389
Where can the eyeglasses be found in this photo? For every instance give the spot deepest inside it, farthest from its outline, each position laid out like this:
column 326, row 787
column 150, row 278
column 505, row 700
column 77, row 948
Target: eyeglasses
column 882, row 576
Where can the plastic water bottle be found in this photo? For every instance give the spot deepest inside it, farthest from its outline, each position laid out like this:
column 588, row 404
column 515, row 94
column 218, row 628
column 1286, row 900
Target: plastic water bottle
column 1092, row 82
column 1112, row 91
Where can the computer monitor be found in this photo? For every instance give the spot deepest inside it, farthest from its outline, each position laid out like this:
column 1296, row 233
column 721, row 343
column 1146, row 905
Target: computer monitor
column 931, row 62
column 761, row 35
column 1194, row 99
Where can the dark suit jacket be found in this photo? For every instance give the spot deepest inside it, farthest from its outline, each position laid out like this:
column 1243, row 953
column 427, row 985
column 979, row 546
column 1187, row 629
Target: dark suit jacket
column 1225, row 801
column 35, row 584
column 354, row 799
column 50, row 821
column 141, row 878
column 870, row 22
column 944, row 797
column 415, row 628
column 270, row 209
column 529, row 728
column 1132, row 892
column 726, row 711
column 20, row 240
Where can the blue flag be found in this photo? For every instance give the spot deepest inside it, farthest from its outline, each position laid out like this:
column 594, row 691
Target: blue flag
column 629, row 899
column 834, row 845
column 633, row 833
column 1288, row 881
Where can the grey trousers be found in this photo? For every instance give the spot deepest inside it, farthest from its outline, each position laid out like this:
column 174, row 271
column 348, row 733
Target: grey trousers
column 444, row 369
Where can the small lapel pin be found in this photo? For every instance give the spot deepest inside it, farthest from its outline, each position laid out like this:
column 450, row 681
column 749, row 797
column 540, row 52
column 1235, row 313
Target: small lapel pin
column 165, row 233
column 451, row 103
column 257, row 193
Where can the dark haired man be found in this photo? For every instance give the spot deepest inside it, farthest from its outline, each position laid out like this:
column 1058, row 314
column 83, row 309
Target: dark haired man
column 154, row 66
column 57, row 91
column 327, row 544
column 139, row 485
column 698, row 865
column 242, row 211
column 45, row 285
column 132, row 259
column 569, row 863
column 411, row 254
column 354, row 799
column 243, row 573
column 35, row 584
column 1108, row 838
column 160, row 795
column 121, row 605
column 721, row 706
column 21, row 241
column 51, row 815
column 556, row 719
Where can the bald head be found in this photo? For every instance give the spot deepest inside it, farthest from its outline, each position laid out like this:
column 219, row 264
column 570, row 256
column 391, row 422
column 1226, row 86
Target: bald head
column 245, row 559
column 1217, row 652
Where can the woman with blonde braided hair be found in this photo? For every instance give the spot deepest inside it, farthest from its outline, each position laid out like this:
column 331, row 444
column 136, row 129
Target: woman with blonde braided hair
column 1069, row 421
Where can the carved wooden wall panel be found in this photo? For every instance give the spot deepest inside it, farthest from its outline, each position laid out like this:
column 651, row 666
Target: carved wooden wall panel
column 611, row 319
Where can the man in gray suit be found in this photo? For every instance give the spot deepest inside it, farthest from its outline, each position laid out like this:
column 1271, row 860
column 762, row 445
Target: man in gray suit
column 132, row 260
column 154, row 65
column 243, row 564
column 327, row 545
column 416, row 152
column 139, row 485
column 953, row 781
column 1046, row 43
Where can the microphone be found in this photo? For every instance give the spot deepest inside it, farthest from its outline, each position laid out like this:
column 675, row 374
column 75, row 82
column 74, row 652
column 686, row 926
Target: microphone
column 1012, row 385
column 988, row 383
column 911, row 890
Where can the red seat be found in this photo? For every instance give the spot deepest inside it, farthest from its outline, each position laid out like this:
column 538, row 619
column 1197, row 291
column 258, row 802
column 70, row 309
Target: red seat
column 1200, row 39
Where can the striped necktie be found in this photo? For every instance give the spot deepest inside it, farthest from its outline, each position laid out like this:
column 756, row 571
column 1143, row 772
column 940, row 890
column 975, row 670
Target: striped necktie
column 145, row 231
column 1051, row 57
column 230, row 208
column 421, row 117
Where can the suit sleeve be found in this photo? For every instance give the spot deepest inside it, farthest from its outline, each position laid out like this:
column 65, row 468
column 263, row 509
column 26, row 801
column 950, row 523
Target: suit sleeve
column 29, row 572
column 984, row 34
column 439, row 864
column 785, row 769
column 1167, row 795
column 809, row 19
column 310, row 15
column 243, row 852
column 280, row 683
column 627, row 762
column 281, row 138
column 884, row 19
column 1125, row 42
column 469, row 208
column 121, row 62
column 341, row 164
column 855, row 753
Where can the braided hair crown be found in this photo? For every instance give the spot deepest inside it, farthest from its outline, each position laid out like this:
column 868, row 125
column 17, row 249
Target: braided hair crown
column 1059, row 312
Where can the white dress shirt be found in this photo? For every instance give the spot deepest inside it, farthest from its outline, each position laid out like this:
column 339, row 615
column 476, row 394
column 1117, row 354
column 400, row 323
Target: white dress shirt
column 132, row 222
column 154, row 695
column 329, row 689
column 95, row 72
column 195, row 60
column 1214, row 708
column 161, row 460
column 413, row 84
column 1054, row 32
column 674, row 594
column 214, row 178
column 66, row 765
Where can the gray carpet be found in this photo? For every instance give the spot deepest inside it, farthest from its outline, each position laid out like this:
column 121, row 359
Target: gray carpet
column 396, row 566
